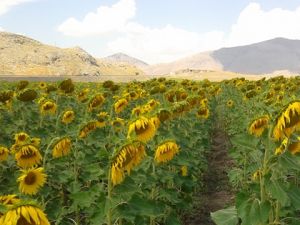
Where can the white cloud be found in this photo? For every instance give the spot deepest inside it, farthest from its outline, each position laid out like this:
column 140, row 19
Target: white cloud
column 1, row 29
column 104, row 20
column 6, row 5
column 254, row 25
column 169, row 42
column 163, row 44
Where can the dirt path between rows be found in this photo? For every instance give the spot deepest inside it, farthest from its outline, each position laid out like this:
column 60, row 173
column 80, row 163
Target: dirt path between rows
column 217, row 192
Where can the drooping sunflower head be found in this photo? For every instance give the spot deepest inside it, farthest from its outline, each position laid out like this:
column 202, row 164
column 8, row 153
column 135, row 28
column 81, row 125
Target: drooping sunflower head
column 230, row 103
column 118, row 124
column 203, row 113
column 28, row 156
column 155, row 120
column 48, row 107
column 128, row 157
column 66, row 86
column 27, row 95
column 6, row 96
column 62, row 148
column 288, row 121
column 258, row 125
column 294, row 147
column 9, row 200
column 31, row 180
column 166, row 151
column 35, row 141
column 82, row 96
column 282, row 147
column 4, row 152
column 24, row 214
column 22, row 84
column 153, row 103
column 137, row 111
column 68, row 116
column 102, row 119
column 143, row 129
column 88, row 128
column 164, row 115
column 21, row 138
column 96, row 102
column 120, row 105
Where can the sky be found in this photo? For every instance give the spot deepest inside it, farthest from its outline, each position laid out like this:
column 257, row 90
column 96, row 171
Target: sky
column 155, row 31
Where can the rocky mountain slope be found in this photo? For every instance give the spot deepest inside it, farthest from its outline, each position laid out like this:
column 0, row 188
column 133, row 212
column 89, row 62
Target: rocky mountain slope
column 20, row 55
column 125, row 59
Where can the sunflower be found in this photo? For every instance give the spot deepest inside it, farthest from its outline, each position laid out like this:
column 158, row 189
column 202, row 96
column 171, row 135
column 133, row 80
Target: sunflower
column 230, row 103
column 24, row 215
column 35, row 141
column 164, row 115
column 42, row 85
column 256, row 175
column 120, row 105
column 153, row 103
column 48, row 107
column 127, row 158
column 27, row 95
column 62, row 148
column 294, row 147
column 88, row 128
column 21, row 138
column 137, row 111
column 96, row 102
column 166, row 151
column 143, row 128
column 3, row 153
column 288, row 121
column 258, row 125
column 68, row 117
column 203, row 113
column 155, row 121
column 82, row 96
column 117, row 124
column 31, row 180
column 28, row 156
column 8, row 200
column 102, row 117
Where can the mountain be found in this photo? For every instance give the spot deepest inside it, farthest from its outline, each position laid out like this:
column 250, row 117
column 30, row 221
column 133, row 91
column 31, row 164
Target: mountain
column 271, row 56
column 20, row 55
column 125, row 59
column 264, row 57
column 201, row 61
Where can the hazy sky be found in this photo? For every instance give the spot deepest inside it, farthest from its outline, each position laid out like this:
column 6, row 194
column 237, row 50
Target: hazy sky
column 152, row 30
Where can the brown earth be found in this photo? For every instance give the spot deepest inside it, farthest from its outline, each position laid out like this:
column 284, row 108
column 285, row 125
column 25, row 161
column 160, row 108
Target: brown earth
column 217, row 192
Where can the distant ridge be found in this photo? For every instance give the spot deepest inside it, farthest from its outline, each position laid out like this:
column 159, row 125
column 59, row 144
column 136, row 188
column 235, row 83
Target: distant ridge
column 123, row 58
column 271, row 56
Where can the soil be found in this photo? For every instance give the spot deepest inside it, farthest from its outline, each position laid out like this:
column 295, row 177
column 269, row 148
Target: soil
column 217, row 193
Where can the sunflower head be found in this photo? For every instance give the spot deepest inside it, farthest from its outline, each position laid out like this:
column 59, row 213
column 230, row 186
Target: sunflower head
column 102, row 118
column 6, row 96
column 67, row 86
column 137, row 111
column 4, row 152
column 203, row 113
column 31, row 180
column 36, row 142
column 230, row 103
column 288, row 121
column 42, row 85
column 164, row 115
column 68, row 117
column 96, row 102
column 22, row 84
column 48, row 107
column 9, row 200
column 184, row 171
column 258, row 125
column 82, row 96
column 88, row 128
column 143, row 129
column 120, row 105
column 166, row 151
column 118, row 124
column 21, row 138
column 24, row 214
column 28, row 156
column 27, row 95
column 62, row 147
column 128, row 157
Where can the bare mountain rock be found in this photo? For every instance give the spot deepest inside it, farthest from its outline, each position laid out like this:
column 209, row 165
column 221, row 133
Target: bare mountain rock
column 125, row 59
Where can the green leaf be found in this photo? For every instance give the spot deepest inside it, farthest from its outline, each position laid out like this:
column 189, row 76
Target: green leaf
column 289, row 161
column 244, row 141
column 278, row 192
column 294, row 194
column 225, row 216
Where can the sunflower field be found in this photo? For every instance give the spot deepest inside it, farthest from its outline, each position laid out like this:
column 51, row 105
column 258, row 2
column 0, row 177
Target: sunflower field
column 136, row 153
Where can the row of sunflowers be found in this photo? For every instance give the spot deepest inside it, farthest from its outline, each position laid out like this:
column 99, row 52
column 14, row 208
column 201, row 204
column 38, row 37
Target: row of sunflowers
column 103, row 153
column 262, row 119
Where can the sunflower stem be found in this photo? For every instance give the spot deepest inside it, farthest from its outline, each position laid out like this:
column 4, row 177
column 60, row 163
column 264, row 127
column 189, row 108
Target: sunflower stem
column 47, row 149
column 109, row 192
